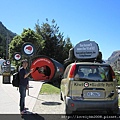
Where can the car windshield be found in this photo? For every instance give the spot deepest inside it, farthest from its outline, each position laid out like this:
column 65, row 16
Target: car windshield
column 93, row 73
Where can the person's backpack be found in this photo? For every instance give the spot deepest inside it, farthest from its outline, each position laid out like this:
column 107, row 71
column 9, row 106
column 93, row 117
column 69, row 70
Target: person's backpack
column 16, row 80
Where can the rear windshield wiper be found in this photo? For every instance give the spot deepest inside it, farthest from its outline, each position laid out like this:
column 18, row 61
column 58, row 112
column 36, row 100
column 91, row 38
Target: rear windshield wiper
column 86, row 79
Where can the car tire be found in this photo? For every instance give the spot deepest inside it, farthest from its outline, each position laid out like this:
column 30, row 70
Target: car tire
column 67, row 111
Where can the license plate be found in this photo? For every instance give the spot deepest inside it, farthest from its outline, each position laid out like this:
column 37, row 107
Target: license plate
column 93, row 94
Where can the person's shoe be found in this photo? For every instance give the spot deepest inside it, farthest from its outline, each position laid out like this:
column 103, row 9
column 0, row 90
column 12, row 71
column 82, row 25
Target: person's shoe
column 23, row 112
column 26, row 109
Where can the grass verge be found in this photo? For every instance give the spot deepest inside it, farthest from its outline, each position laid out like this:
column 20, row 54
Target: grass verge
column 49, row 89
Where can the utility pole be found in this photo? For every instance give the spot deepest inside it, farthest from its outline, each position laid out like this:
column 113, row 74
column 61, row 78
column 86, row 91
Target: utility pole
column 7, row 47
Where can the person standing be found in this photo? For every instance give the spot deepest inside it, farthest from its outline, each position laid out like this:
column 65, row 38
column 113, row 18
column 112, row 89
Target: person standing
column 23, row 85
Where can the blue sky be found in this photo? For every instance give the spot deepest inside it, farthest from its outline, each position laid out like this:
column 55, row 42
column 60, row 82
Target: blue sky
column 97, row 20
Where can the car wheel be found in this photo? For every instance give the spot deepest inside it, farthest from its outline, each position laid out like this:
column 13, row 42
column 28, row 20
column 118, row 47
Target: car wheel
column 67, row 110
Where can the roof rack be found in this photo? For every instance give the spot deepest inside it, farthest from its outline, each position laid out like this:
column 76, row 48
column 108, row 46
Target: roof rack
column 84, row 51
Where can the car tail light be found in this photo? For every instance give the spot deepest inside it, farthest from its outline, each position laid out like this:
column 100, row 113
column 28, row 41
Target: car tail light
column 72, row 71
column 72, row 104
column 113, row 74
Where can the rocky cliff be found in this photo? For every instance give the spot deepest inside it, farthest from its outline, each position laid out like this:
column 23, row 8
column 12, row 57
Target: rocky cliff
column 114, row 60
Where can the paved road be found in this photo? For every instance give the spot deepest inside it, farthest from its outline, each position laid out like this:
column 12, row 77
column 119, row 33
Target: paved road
column 50, row 104
column 54, row 107
column 47, row 107
column 9, row 101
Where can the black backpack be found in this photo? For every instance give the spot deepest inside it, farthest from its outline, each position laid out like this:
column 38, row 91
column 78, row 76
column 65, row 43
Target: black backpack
column 16, row 80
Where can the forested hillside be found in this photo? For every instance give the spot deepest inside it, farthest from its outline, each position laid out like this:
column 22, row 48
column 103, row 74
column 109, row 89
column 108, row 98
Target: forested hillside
column 5, row 35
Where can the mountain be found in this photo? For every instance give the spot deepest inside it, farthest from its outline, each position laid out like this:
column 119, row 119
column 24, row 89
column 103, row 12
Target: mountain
column 5, row 35
column 114, row 60
column 4, row 31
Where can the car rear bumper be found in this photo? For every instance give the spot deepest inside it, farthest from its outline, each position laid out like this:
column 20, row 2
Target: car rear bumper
column 82, row 105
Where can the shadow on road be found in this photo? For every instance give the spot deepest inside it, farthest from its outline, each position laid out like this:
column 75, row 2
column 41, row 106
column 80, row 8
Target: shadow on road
column 51, row 103
column 32, row 117
column 36, row 98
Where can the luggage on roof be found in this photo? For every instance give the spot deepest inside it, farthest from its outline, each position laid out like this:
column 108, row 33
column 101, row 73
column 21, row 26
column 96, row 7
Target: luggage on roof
column 84, row 51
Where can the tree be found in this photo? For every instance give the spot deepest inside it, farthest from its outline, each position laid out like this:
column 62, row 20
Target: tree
column 2, row 47
column 36, row 39
column 27, row 35
column 47, row 40
column 56, row 46
column 68, row 45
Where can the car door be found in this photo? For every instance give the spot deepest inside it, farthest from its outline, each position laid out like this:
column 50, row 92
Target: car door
column 65, row 82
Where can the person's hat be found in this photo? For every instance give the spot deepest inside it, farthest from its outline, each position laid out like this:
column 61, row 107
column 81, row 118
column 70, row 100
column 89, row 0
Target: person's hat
column 25, row 60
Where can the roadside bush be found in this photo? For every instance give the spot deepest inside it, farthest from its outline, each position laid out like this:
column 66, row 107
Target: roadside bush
column 117, row 78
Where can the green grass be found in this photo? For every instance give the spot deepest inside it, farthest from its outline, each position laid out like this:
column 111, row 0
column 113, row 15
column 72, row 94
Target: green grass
column 117, row 78
column 49, row 89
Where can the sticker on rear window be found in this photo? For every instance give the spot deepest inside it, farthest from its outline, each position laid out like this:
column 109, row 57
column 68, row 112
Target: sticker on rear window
column 86, row 84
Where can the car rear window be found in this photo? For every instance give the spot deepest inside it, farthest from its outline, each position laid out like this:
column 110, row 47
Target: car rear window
column 93, row 73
